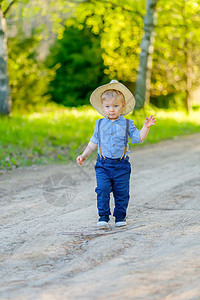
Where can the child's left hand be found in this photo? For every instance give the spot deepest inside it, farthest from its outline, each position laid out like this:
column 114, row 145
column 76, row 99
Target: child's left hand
column 149, row 121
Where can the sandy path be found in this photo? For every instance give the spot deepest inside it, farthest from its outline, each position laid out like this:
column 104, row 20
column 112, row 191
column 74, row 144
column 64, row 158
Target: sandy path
column 54, row 250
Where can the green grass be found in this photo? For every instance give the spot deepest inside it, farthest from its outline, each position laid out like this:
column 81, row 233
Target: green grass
column 57, row 134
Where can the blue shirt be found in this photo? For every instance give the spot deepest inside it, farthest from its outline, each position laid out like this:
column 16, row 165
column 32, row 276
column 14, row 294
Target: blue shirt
column 113, row 136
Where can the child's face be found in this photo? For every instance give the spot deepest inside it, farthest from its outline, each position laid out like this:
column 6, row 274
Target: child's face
column 113, row 107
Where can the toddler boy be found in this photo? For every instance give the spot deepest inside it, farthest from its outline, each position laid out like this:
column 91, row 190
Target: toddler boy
column 113, row 168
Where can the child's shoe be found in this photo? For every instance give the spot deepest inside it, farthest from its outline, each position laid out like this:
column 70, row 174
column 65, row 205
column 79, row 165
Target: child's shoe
column 103, row 221
column 120, row 222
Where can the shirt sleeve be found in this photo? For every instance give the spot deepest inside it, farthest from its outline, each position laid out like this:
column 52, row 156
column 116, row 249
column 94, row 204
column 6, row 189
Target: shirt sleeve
column 94, row 138
column 134, row 133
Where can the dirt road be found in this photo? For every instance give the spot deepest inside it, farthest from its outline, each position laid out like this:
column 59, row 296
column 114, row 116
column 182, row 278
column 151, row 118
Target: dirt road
column 51, row 248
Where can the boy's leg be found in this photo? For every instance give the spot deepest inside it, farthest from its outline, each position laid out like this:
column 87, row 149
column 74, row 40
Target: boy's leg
column 121, row 190
column 103, row 190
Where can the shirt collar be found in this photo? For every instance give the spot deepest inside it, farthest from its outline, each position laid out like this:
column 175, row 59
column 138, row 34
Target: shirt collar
column 119, row 118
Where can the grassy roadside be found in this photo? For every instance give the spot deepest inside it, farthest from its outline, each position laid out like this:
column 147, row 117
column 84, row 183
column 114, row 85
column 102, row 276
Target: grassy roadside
column 57, row 134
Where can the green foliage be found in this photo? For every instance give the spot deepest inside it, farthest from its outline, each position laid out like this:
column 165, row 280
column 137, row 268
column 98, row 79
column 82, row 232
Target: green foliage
column 173, row 100
column 79, row 66
column 119, row 25
column 28, row 75
column 176, row 57
column 117, row 29
column 53, row 134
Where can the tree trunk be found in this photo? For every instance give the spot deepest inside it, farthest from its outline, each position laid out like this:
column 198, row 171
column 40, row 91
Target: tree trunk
column 142, row 90
column 187, row 60
column 4, row 85
column 188, row 81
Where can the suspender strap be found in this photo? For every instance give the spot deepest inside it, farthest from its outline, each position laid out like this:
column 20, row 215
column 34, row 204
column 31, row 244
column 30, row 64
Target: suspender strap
column 99, row 137
column 126, row 139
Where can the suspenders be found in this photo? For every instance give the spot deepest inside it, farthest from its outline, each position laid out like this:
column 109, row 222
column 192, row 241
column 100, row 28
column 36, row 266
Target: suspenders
column 126, row 139
column 101, row 154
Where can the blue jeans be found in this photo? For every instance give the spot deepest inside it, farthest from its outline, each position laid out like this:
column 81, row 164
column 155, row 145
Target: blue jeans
column 112, row 175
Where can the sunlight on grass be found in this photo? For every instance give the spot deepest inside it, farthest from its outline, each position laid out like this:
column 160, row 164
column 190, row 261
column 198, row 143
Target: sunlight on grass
column 57, row 134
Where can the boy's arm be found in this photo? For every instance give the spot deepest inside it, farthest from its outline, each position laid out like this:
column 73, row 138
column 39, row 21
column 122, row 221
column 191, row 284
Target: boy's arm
column 144, row 132
column 91, row 147
column 145, row 129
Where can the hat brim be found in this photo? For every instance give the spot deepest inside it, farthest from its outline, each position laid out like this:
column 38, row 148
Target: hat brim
column 95, row 98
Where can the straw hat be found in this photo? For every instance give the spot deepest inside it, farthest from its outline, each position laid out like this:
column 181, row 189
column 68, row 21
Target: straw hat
column 95, row 98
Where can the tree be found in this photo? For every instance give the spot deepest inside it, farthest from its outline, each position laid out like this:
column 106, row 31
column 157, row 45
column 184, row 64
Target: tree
column 28, row 75
column 116, row 22
column 56, row 11
column 5, row 103
column 176, row 57
column 142, row 90
column 79, row 66
column 119, row 26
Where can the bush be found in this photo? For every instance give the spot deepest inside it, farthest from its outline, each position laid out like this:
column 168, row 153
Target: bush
column 175, row 100
column 29, row 77
column 79, row 67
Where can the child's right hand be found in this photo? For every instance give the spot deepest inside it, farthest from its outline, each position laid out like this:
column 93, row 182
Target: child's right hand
column 80, row 159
